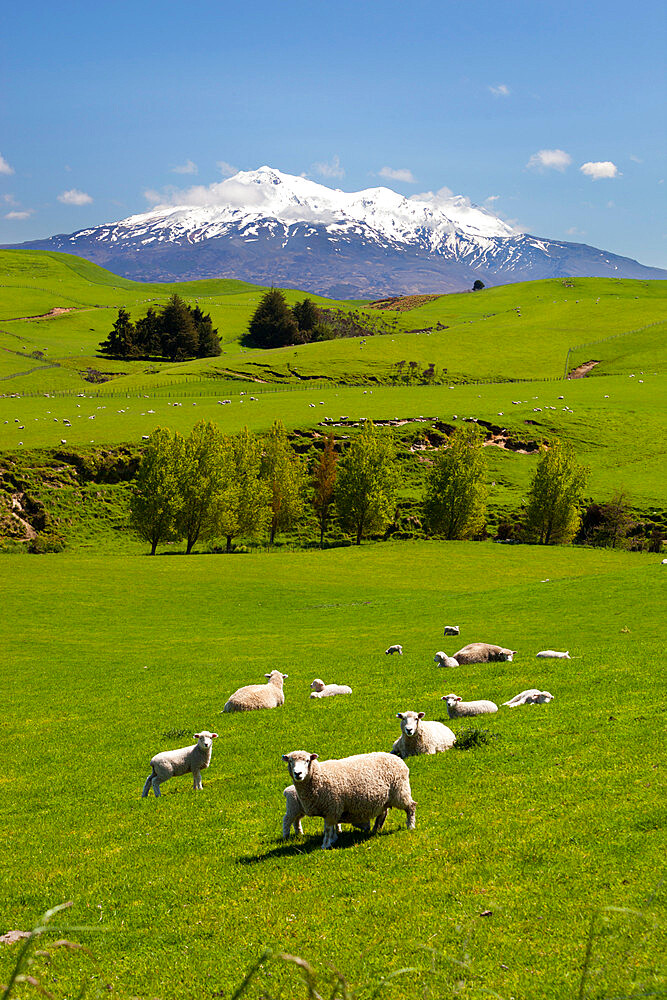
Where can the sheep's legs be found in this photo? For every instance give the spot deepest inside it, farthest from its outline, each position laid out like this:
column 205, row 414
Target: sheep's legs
column 196, row 781
column 379, row 821
column 156, row 786
column 147, row 785
column 410, row 814
column 330, row 835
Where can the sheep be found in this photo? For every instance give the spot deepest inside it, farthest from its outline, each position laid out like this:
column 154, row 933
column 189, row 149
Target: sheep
column 530, row 697
column 394, row 649
column 322, row 690
column 445, row 661
column 664, row 562
column 365, row 786
column 482, row 652
column 456, row 708
column 294, row 813
column 551, row 654
column 187, row 760
column 254, row 696
column 451, row 630
column 419, row 737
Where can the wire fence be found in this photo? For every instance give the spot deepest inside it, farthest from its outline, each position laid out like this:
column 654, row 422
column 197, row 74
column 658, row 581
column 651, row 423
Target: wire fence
column 604, row 340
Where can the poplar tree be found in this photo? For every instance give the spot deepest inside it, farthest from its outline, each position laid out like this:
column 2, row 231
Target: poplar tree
column 555, row 494
column 283, row 473
column 242, row 506
column 200, row 477
column 367, row 481
column 155, row 500
column 455, row 498
column 324, row 483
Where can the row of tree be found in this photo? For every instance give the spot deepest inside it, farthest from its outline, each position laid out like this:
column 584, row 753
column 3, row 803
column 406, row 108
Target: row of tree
column 177, row 333
column 275, row 324
column 210, row 485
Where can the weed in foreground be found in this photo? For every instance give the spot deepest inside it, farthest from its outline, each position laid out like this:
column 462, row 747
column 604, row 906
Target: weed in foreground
column 473, row 737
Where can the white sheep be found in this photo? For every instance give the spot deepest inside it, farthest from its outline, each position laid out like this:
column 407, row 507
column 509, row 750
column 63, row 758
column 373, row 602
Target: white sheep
column 445, row 661
column 186, row 760
column 664, row 562
column 451, row 630
column 294, row 813
column 322, row 690
column 394, row 649
column 255, row 696
column 457, row 709
column 551, row 654
column 483, row 652
column 532, row 696
column 419, row 737
column 365, row 786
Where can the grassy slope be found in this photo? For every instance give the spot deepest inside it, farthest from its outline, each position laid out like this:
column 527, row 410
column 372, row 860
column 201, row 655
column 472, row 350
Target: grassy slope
column 559, row 816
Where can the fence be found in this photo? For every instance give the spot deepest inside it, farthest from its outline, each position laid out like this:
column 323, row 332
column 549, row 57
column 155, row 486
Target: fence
column 604, row 340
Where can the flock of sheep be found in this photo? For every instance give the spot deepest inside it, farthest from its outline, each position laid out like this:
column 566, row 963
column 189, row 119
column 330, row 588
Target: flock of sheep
column 360, row 789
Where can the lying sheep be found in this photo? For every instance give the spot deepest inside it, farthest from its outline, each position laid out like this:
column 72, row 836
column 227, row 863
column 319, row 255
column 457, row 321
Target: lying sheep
column 187, row 760
column 457, row 709
column 365, row 786
column 482, row 652
column 322, row 690
column 551, row 654
column 532, row 696
column 294, row 813
column 254, row 696
column 445, row 661
column 421, row 737
column 451, row 630
column 394, row 649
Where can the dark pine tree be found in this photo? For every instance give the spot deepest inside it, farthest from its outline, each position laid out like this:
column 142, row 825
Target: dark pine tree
column 149, row 336
column 179, row 333
column 122, row 341
column 273, row 324
column 307, row 317
column 209, row 341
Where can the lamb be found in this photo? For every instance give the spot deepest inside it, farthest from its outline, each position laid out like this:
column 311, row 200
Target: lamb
column 482, row 652
column 294, row 813
column 451, row 630
column 457, row 709
column 394, row 649
column 322, row 690
column 187, row 760
column 551, row 654
column 419, row 737
column 255, row 696
column 532, row 696
column 445, row 661
column 365, row 786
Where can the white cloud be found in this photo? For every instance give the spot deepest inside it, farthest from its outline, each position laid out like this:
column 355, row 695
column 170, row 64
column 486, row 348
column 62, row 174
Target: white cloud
column 635, row 159
column 20, row 215
column 75, row 197
column 226, row 169
column 573, row 231
column 9, row 199
column 187, row 168
column 502, row 90
column 332, row 169
column 402, row 174
column 600, row 170
column 490, row 200
column 550, row 159
column 4, row 166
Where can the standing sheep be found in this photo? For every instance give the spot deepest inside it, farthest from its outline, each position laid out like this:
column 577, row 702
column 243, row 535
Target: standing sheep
column 187, row 760
column 294, row 813
column 445, row 661
column 532, row 696
column 483, row 652
column 322, row 690
column 394, row 649
column 254, row 696
column 457, row 709
column 419, row 737
column 365, row 786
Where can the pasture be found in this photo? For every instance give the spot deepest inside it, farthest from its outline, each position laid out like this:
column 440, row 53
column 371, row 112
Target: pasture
column 520, row 844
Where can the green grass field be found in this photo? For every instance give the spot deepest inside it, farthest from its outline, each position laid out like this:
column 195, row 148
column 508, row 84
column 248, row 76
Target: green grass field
column 110, row 660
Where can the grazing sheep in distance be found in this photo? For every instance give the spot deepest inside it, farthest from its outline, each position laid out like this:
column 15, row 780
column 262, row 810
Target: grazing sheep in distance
column 457, row 709
column 445, row 661
column 254, row 696
column 532, row 696
column 322, row 690
column 419, row 737
column 187, row 760
column 451, row 630
column 294, row 813
column 365, row 786
column 551, row 654
column 483, row 652
column 394, row 649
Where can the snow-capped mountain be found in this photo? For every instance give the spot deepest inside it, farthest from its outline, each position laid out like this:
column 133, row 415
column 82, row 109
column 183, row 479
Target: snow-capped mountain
column 269, row 227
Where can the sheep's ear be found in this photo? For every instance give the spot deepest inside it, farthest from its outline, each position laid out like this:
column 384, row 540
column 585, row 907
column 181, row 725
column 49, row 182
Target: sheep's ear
column 285, row 757
column 285, row 676
column 197, row 735
column 314, row 756
column 399, row 715
column 420, row 715
column 267, row 675
column 214, row 735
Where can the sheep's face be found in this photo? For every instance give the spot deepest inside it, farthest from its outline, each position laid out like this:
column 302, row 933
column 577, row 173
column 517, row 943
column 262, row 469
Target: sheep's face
column 409, row 722
column 451, row 699
column 543, row 698
column 507, row 655
column 299, row 763
column 275, row 677
column 317, row 685
column 205, row 739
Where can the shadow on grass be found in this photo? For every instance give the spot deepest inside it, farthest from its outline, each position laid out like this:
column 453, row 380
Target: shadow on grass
column 307, row 843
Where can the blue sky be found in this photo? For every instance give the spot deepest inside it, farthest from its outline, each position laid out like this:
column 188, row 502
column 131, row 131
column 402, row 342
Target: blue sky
column 551, row 115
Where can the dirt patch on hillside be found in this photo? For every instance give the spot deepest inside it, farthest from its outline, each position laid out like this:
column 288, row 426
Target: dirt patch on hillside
column 56, row 311
column 581, row 371
column 403, row 303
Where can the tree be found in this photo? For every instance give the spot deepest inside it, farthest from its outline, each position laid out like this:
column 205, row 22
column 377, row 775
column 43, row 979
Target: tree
column 367, row 482
column 200, row 483
column 283, row 473
column 242, row 506
column 478, row 286
column 455, row 499
column 306, row 315
column 122, row 341
column 155, row 500
column 207, row 338
column 552, row 514
column 324, row 483
column 273, row 323
column 179, row 333
column 149, row 334
column 606, row 524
